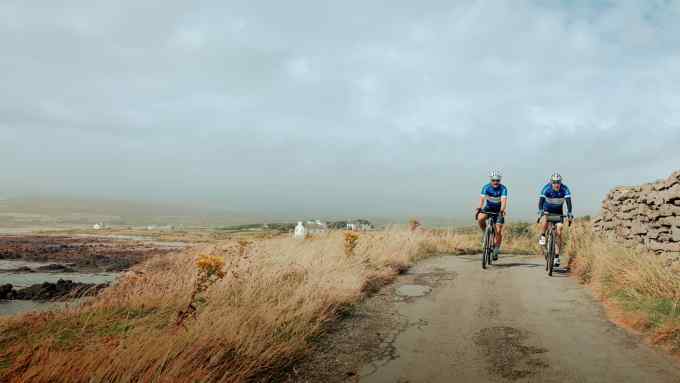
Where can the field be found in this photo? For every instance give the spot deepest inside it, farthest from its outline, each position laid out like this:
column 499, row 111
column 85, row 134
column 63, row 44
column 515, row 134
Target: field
column 228, row 311
column 248, row 307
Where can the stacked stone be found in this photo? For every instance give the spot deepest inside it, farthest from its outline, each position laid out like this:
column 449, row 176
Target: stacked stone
column 646, row 215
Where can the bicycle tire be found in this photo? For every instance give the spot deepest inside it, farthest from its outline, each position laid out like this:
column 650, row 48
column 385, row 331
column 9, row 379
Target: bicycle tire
column 492, row 246
column 551, row 249
column 485, row 252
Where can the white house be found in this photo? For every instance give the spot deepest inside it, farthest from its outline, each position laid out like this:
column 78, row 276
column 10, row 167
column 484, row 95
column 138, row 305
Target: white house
column 300, row 231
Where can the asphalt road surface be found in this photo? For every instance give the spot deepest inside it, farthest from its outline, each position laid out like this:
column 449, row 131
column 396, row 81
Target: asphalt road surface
column 510, row 323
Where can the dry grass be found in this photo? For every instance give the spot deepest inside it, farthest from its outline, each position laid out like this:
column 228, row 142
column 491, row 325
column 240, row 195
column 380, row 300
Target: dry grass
column 276, row 296
column 518, row 238
column 645, row 285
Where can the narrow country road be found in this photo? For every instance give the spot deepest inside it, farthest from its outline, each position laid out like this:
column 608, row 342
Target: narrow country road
column 511, row 323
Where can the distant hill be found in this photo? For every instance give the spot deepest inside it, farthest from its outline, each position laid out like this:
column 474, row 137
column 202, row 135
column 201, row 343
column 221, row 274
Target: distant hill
column 47, row 211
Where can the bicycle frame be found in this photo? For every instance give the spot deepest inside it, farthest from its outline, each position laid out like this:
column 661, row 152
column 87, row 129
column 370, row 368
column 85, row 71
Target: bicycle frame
column 489, row 238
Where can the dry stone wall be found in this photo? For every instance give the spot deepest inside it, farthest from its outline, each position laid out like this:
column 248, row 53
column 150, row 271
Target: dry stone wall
column 646, row 215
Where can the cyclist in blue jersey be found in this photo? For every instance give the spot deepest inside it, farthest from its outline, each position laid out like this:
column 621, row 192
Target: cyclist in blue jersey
column 493, row 199
column 550, row 208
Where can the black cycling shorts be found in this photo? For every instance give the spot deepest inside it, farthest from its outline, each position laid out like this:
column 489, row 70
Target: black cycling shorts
column 556, row 218
column 500, row 218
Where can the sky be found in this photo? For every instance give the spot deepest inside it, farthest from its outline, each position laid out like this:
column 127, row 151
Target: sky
column 352, row 108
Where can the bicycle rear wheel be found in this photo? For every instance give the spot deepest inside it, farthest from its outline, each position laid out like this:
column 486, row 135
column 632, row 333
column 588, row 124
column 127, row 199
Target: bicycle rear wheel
column 551, row 253
column 546, row 252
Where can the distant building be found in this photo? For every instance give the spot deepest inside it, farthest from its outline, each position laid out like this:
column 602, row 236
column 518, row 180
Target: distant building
column 316, row 227
column 359, row 225
column 98, row 226
column 311, row 227
column 353, row 225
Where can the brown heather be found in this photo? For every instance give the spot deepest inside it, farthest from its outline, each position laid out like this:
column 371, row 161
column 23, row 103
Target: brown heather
column 276, row 295
column 185, row 318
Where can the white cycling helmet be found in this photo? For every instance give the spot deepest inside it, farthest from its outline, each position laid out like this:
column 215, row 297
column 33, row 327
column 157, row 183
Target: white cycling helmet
column 556, row 177
column 495, row 175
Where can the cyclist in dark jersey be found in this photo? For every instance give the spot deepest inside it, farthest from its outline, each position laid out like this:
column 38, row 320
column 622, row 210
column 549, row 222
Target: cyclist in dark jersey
column 550, row 206
column 493, row 199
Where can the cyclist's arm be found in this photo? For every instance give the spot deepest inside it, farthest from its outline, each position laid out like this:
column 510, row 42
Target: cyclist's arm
column 567, row 197
column 482, row 197
column 541, row 202
column 569, row 206
column 504, row 200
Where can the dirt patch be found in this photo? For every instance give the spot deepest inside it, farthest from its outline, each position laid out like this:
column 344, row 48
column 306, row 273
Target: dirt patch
column 507, row 354
column 81, row 254
column 413, row 290
column 364, row 334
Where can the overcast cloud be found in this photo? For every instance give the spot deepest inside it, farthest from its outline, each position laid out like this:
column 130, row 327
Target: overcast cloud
column 388, row 108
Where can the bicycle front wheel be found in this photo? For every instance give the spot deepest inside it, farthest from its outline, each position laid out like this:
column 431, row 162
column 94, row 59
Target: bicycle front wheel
column 487, row 246
column 492, row 246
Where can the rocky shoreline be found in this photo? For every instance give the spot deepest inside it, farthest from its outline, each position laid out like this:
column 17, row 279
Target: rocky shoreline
column 51, row 267
column 62, row 289
column 77, row 254
column 38, row 260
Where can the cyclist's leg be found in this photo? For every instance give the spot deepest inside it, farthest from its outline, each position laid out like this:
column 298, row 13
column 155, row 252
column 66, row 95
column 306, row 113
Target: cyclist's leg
column 544, row 224
column 500, row 223
column 558, row 240
column 543, row 227
column 481, row 220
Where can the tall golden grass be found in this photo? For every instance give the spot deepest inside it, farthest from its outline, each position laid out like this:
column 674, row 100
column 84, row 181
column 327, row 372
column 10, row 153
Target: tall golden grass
column 257, row 319
column 645, row 285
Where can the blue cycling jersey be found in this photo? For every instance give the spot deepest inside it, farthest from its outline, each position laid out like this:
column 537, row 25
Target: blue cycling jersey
column 551, row 200
column 493, row 196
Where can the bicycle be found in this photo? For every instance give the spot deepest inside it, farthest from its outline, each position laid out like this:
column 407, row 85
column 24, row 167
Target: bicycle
column 549, row 252
column 489, row 238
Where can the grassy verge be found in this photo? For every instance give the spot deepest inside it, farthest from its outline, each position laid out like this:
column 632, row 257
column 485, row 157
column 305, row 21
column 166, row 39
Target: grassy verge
column 253, row 314
column 643, row 286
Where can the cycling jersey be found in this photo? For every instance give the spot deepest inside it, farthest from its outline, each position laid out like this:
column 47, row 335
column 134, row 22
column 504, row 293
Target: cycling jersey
column 494, row 196
column 551, row 200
